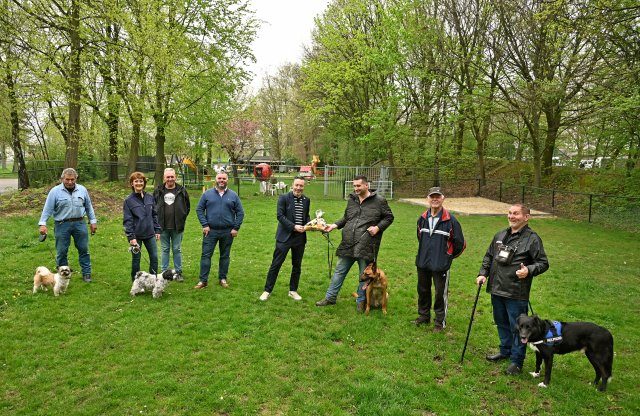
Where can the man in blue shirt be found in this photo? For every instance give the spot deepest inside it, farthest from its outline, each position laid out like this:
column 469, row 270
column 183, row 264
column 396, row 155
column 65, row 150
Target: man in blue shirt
column 220, row 213
column 69, row 203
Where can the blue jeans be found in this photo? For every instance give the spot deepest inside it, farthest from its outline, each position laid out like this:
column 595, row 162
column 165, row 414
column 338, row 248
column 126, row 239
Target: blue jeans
column 224, row 238
column 63, row 232
column 171, row 240
column 505, row 314
column 152, row 251
column 342, row 269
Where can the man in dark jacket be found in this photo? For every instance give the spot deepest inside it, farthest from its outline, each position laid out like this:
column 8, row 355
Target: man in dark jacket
column 293, row 214
column 440, row 240
column 513, row 258
column 220, row 213
column 173, row 206
column 366, row 217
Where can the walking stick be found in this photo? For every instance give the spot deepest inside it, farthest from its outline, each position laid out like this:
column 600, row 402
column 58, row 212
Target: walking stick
column 473, row 311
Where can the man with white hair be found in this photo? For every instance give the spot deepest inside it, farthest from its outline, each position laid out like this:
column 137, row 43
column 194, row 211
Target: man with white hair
column 69, row 203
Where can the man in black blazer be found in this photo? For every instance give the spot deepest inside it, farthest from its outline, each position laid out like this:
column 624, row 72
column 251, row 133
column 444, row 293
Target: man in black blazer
column 293, row 214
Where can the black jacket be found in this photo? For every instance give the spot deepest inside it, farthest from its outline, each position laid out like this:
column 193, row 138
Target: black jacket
column 286, row 214
column 438, row 247
column 502, row 279
column 356, row 241
column 182, row 205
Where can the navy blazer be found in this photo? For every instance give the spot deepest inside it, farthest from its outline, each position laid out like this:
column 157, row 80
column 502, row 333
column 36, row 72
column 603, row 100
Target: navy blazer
column 286, row 216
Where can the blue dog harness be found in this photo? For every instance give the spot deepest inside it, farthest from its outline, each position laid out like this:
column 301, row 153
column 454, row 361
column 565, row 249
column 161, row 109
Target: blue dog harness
column 554, row 335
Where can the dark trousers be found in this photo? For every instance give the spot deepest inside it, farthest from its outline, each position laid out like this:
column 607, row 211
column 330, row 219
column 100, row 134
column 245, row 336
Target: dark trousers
column 152, row 251
column 441, row 282
column 224, row 239
column 296, row 244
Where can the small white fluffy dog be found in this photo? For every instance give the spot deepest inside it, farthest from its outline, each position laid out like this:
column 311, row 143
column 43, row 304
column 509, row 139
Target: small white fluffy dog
column 44, row 279
column 155, row 282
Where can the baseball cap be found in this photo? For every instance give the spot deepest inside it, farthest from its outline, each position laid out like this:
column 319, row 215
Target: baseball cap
column 435, row 190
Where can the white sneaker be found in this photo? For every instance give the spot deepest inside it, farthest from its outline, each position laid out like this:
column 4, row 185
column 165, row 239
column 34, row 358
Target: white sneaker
column 294, row 295
column 264, row 296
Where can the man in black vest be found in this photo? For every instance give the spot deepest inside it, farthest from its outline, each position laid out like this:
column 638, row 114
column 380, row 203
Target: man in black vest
column 293, row 214
column 172, row 203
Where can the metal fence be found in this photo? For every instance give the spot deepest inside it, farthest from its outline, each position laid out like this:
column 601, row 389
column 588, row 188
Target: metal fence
column 334, row 182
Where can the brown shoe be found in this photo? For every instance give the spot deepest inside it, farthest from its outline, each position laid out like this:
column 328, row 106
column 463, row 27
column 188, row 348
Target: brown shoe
column 438, row 328
column 200, row 285
column 224, row 283
column 360, row 307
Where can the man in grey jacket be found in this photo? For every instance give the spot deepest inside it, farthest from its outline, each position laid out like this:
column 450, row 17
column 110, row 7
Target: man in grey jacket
column 366, row 217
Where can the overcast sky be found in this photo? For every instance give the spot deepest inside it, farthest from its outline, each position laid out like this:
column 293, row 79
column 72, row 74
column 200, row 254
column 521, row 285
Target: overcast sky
column 286, row 27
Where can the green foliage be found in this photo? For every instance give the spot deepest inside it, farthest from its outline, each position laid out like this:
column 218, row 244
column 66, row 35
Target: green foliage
column 96, row 350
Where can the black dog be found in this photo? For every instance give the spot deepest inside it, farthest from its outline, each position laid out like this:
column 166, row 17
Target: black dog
column 549, row 337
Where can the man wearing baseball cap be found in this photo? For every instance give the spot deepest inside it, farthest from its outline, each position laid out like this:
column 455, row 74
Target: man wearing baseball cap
column 440, row 240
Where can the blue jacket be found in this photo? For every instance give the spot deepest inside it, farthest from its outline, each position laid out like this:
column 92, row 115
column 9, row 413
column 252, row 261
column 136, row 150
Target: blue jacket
column 64, row 205
column 140, row 218
column 438, row 247
column 286, row 216
column 220, row 212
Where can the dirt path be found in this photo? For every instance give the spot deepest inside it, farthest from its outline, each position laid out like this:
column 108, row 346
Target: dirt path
column 8, row 185
column 473, row 206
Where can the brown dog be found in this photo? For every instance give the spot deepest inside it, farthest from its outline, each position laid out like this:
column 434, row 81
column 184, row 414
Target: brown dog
column 375, row 287
column 44, row 278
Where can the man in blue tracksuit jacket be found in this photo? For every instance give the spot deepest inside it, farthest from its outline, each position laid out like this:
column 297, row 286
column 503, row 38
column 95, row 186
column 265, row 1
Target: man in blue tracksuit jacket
column 220, row 213
column 440, row 240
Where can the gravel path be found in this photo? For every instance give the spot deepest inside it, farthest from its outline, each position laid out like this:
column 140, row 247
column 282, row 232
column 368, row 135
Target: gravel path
column 8, row 185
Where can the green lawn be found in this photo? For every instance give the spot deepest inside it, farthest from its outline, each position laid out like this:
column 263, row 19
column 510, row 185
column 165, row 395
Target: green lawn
column 220, row 351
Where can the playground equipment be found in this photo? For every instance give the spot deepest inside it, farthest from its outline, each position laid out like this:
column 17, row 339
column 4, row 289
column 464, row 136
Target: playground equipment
column 262, row 172
column 314, row 164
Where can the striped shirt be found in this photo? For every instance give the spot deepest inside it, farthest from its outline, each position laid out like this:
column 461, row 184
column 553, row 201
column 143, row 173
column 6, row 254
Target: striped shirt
column 299, row 212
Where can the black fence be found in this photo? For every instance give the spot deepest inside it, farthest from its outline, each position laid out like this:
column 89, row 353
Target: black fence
column 615, row 211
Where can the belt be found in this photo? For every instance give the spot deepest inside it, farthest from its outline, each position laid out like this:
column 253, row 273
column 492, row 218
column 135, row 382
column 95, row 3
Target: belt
column 71, row 220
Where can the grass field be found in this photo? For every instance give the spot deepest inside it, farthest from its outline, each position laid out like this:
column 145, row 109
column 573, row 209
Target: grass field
column 97, row 351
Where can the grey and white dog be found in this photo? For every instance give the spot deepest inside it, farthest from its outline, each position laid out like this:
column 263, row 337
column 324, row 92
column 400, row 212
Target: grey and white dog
column 145, row 281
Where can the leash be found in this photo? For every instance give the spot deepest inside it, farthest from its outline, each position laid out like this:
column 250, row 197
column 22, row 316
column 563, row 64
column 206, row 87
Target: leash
column 329, row 252
column 42, row 238
column 531, row 307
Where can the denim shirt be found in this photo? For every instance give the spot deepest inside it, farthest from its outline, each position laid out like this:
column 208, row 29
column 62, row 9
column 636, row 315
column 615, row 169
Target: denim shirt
column 64, row 205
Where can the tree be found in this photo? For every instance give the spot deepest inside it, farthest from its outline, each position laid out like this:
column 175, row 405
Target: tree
column 238, row 136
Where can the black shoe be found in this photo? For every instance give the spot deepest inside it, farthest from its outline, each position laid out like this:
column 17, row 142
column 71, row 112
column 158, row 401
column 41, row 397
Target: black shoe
column 86, row 278
column 360, row 306
column 513, row 369
column 496, row 357
column 421, row 321
column 325, row 302
column 179, row 277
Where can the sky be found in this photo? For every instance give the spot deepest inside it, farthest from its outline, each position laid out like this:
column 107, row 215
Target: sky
column 286, row 26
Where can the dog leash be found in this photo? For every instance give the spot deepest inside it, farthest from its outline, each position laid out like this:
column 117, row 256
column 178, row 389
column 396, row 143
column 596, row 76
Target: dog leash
column 42, row 238
column 329, row 252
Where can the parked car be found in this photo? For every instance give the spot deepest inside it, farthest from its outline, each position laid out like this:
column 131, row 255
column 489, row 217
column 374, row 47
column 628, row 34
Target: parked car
column 586, row 164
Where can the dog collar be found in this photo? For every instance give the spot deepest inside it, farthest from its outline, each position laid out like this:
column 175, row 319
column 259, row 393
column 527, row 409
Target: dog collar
column 554, row 335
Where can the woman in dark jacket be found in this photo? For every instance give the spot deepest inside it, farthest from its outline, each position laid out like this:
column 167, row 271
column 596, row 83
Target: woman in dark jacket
column 140, row 220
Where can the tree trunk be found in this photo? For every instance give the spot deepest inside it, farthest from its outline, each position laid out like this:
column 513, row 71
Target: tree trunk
column 160, row 140
column 23, row 176
column 75, row 88
column 553, row 126
column 113, row 118
column 134, row 150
